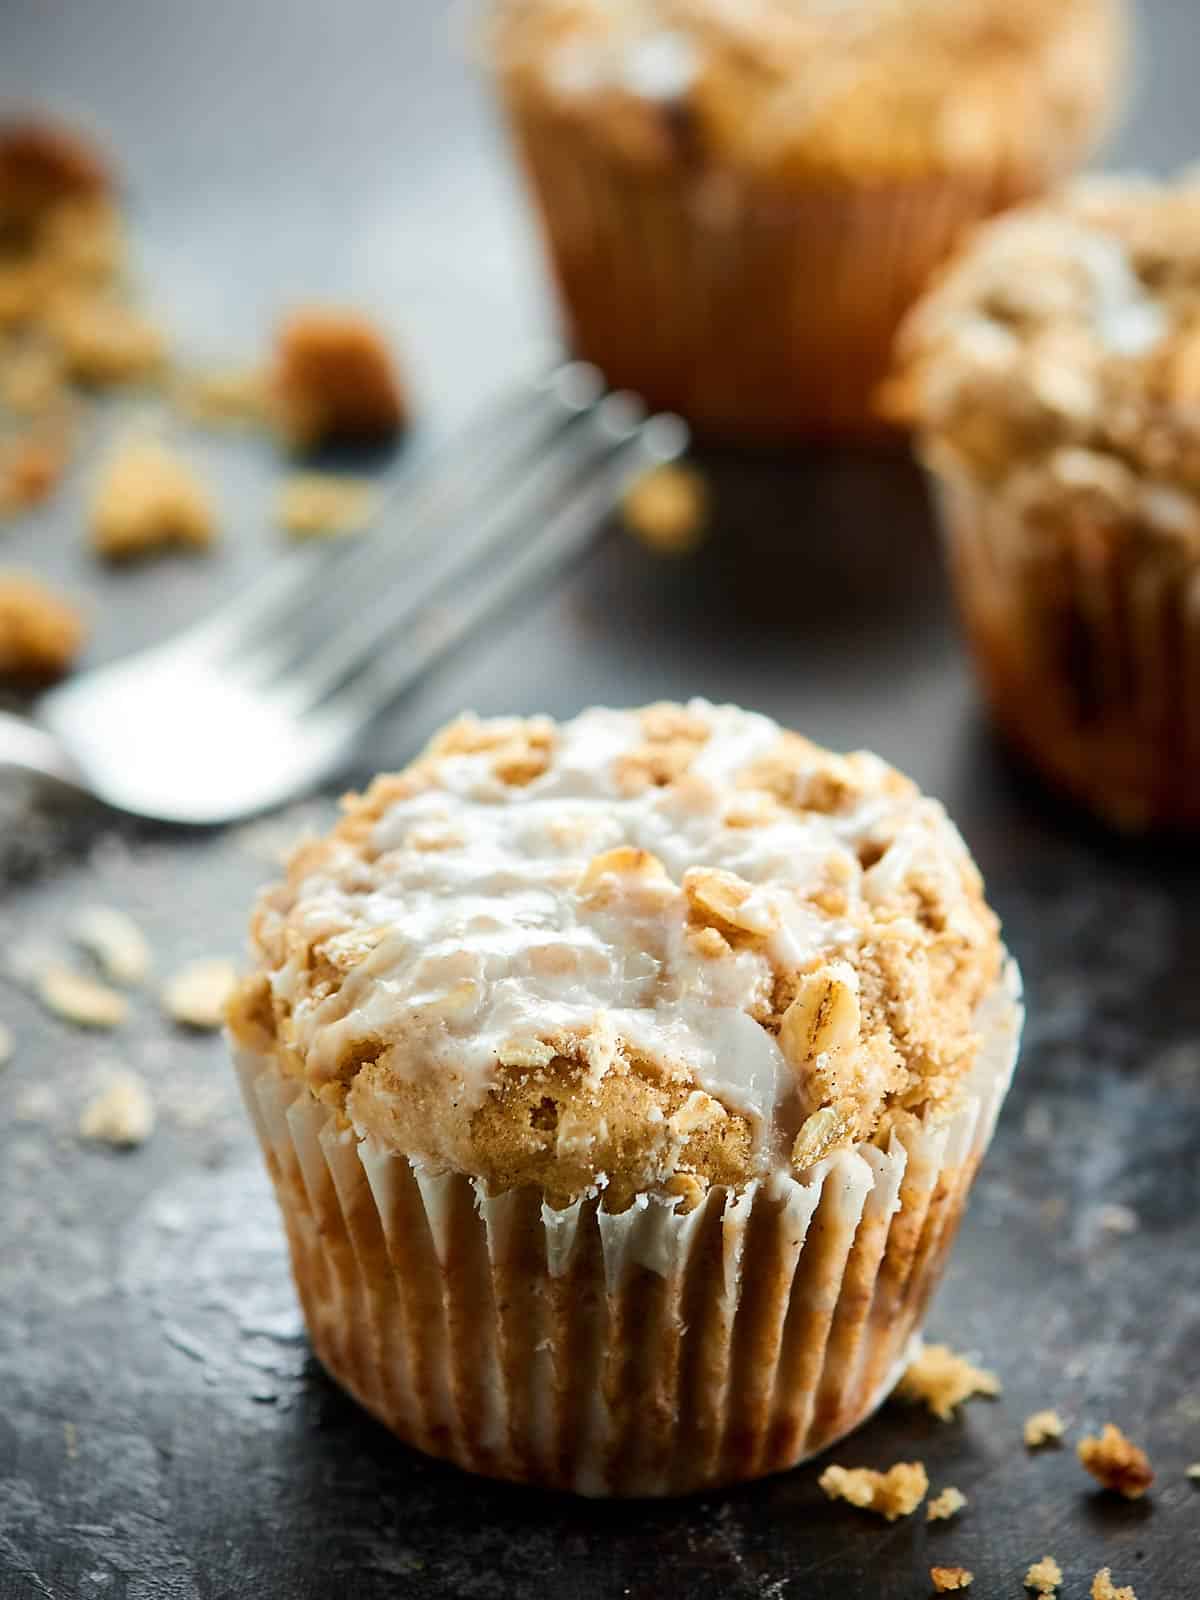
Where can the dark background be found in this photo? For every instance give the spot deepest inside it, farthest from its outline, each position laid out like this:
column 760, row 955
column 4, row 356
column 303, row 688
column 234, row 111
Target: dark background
column 163, row 1433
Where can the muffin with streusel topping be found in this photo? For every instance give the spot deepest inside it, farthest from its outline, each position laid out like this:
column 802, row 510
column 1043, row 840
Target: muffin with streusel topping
column 1054, row 378
column 742, row 199
column 622, row 1083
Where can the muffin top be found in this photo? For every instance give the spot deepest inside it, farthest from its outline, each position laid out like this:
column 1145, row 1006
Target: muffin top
column 640, row 951
column 853, row 87
column 1058, row 359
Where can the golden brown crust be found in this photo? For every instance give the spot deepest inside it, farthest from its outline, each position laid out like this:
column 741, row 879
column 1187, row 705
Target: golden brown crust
column 879, row 1030
column 40, row 633
column 1116, row 1462
column 895, row 90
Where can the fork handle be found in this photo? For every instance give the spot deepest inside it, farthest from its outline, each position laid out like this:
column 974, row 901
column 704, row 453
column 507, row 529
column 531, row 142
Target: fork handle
column 27, row 749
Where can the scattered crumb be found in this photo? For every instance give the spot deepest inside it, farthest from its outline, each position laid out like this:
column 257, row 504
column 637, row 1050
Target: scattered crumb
column 30, row 467
column 104, row 341
column 947, row 1578
column 42, row 165
column 71, row 1440
column 195, row 996
column 320, row 505
column 1103, row 1587
column 223, row 397
column 147, row 498
column 7, row 1045
column 31, row 380
column 943, row 1380
column 40, row 633
column 1044, row 1576
column 667, row 509
column 894, row 1493
column 334, row 378
column 79, row 999
column 1193, row 1471
column 1113, row 1218
column 946, row 1505
column 1043, row 1427
column 1116, row 1462
column 116, row 941
column 121, row 1114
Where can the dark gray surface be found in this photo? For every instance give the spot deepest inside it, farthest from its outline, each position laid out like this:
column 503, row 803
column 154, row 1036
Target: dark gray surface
column 163, row 1433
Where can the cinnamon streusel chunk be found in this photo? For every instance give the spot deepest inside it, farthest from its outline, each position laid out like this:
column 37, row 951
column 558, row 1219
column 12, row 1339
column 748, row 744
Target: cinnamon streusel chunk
column 1116, row 1462
column 334, row 378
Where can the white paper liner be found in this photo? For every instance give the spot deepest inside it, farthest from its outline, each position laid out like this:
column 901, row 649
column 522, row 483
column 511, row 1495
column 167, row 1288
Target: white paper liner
column 1092, row 667
column 647, row 1353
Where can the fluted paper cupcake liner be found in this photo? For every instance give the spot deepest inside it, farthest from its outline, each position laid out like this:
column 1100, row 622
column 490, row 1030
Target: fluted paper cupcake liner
column 1088, row 649
column 646, row 1353
column 761, row 312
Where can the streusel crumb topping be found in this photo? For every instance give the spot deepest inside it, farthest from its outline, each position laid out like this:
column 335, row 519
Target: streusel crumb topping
column 646, row 950
column 787, row 86
column 1058, row 360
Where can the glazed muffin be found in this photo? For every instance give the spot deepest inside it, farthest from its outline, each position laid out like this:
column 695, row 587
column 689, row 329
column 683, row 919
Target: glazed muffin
column 622, row 1083
column 1054, row 376
column 741, row 200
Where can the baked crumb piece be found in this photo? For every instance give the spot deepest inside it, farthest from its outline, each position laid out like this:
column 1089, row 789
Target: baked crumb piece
column 31, row 380
column 121, row 1114
column 1044, row 1576
column 104, row 341
column 891, row 1494
column 1116, row 1462
column 945, row 1505
column 42, row 165
column 116, row 941
column 334, row 378
column 667, row 509
column 223, row 397
column 146, row 499
column 30, row 467
column 323, row 505
column 196, row 995
column 6, row 1045
column 40, row 634
column 943, row 1380
column 80, row 999
column 1043, row 1427
column 946, row 1579
column 1193, row 1472
column 1103, row 1588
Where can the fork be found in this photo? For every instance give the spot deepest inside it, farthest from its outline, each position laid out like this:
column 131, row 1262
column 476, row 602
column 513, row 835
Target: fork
column 261, row 701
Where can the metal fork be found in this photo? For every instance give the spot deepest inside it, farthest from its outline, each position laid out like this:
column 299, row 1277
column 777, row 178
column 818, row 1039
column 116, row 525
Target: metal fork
column 261, row 701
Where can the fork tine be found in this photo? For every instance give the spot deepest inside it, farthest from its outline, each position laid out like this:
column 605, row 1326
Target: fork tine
column 488, row 526
column 569, row 531
column 507, row 426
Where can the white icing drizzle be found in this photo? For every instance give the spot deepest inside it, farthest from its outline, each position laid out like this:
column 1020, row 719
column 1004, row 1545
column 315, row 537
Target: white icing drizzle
column 487, row 944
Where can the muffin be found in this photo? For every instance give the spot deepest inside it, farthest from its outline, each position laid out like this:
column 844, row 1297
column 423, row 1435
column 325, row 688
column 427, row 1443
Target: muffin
column 741, row 201
column 622, row 1083
column 1054, row 376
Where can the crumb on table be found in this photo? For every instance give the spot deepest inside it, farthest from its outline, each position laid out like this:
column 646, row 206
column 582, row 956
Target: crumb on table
column 40, row 633
column 6, row 1045
column 147, row 499
column 1116, row 1462
column 196, row 995
column 334, row 379
column 116, row 941
column 894, row 1493
column 945, row 1505
column 1042, row 1427
column 1103, row 1588
column 222, row 396
column 322, row 505
column 943, row 1380
column 667, row 508
column 82, row 1000
column 41, row 165
column 121, row 1114
column 30, row 466
column 103, row 340
column 946, row 1579
column 1044, row 1576
column 32, row 380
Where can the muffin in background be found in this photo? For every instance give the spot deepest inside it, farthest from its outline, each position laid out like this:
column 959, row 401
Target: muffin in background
column 741, row 201
column 622, row 1083
column 1054, row 378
